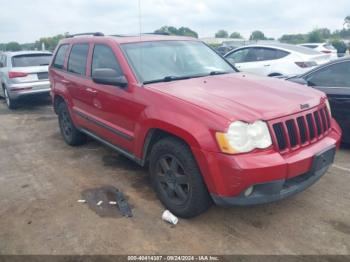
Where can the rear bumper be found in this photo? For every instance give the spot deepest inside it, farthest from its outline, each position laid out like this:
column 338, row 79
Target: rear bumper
column 272, row 174
column 17, row 91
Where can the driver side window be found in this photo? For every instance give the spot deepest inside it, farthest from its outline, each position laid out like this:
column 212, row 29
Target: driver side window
column 103, row 57
column 238, row 56
column 337, row 75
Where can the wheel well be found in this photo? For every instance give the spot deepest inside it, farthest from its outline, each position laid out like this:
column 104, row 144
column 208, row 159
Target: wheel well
column 57, row 100
column 154, row 135
column 2, row 91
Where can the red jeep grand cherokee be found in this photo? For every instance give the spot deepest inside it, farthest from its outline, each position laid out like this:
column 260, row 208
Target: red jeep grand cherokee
column 207, row 132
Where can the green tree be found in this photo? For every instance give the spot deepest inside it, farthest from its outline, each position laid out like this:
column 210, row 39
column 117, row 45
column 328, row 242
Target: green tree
column 315, row 37
column 235, row 35
column 185, row 31
column 347, row 22
column 167, row 30
column 339, row 45
column 171, row 30
column 293, row 39
column 325, row 33
column 50, row 42
column 221, row 34
column 257, row 35
column 28, row 46
column 13, row 46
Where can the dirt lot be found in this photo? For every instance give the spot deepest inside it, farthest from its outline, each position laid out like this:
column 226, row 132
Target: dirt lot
column 41, row 179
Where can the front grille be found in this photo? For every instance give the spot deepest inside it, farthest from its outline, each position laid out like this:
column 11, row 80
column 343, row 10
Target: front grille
column 43, row 75
column 305, row 128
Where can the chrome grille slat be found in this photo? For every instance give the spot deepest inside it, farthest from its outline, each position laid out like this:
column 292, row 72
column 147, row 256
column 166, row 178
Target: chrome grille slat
column 301, row 129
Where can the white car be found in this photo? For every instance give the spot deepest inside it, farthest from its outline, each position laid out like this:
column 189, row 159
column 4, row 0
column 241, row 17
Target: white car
column 323, row 48
column 277, row 60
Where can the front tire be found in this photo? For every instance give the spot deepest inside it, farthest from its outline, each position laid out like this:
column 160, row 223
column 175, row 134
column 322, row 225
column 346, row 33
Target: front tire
column 71, row 135
column 177, row 179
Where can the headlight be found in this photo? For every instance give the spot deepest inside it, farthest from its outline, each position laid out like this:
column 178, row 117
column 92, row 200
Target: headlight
column 243, row 137
column 329, row 107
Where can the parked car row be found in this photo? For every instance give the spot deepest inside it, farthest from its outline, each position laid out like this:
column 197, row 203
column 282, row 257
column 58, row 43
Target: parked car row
column 333, row 79
column 282, row 60
column 207, row 132
column 23, row 74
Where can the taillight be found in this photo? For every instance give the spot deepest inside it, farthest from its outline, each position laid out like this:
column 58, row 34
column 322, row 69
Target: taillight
column 326, row 51
column 306, row 64
column 17, row 74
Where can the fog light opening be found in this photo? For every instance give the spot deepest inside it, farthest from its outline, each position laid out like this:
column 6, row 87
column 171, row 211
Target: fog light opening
column 248, row 191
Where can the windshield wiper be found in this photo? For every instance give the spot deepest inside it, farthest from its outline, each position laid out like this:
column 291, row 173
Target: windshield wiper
column 214, row 73
column 168, row 79
column 174, row 78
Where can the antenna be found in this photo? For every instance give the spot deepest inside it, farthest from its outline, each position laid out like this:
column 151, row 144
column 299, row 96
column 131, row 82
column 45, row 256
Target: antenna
column 140, row 30
column 140, row 19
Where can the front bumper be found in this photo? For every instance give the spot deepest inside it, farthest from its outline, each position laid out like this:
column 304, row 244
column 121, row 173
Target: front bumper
column 279, row 189
column 273, row 175
column 17, row 91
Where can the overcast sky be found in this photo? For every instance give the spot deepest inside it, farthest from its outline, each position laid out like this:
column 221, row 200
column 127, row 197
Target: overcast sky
column 27, row 21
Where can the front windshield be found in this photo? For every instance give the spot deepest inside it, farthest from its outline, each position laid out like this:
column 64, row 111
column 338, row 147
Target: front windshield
column 170, row 60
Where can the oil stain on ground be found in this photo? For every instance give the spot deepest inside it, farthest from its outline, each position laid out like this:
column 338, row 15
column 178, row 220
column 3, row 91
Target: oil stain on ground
column 340, row 226
column 105, row 194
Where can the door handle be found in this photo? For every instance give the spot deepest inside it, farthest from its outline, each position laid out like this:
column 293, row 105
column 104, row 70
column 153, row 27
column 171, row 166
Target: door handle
column 90, row 90
column 65, row 81
column 267, row 65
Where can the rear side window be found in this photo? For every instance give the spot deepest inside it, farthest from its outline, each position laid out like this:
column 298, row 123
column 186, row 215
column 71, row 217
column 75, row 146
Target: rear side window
column 60, row 55
column 264, row 54
column 31, row 60
column 104, row 57
column 329, row 47
column 77, row 59
column 336, row 75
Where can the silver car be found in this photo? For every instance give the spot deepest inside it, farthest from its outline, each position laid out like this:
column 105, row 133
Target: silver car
column 22, row 74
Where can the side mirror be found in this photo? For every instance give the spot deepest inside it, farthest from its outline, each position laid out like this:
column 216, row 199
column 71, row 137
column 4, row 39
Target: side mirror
column 108, row 76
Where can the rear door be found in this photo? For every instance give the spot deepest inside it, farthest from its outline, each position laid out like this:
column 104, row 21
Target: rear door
column 334, row 80
column 77, row 83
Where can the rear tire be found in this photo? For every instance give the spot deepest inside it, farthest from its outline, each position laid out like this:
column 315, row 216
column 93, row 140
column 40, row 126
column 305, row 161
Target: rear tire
column 177, row 179
column 70, row 133
column 11, row 103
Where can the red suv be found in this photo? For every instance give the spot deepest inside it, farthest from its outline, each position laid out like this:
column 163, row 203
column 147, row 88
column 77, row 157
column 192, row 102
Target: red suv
column 207, row 132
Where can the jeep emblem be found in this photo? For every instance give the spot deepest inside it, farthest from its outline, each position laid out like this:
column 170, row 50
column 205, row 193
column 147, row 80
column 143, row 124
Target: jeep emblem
column 304, row 106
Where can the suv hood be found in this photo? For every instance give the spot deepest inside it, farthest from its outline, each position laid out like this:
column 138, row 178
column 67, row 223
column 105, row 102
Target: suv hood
column 241, row 96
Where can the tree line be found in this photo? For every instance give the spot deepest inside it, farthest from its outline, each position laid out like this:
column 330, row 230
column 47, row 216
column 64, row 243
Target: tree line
column 318, row 35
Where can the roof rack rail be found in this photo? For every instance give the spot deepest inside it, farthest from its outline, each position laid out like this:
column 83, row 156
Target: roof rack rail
column 159, row 33
column 128, row 35
column 81, row 34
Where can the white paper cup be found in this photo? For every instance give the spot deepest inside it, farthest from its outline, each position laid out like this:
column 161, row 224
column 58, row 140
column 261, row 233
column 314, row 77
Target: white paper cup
column 169, row 217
